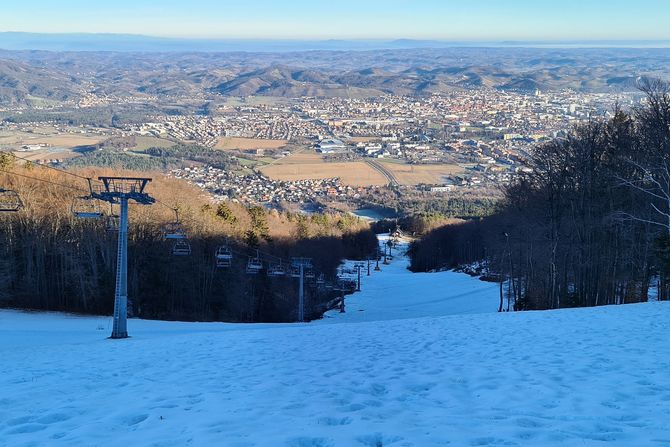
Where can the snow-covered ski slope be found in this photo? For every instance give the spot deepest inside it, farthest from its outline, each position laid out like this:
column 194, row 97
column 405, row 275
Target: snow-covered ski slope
column 389, row 375
column 396, row 293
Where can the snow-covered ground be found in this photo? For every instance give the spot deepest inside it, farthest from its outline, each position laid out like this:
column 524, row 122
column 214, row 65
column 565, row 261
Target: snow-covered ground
column 417, row 365
column 396, row 293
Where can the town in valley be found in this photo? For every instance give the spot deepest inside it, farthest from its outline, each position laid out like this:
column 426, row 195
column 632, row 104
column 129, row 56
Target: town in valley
column 307, row 150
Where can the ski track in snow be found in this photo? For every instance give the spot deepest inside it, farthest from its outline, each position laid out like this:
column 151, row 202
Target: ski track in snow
column 404, row 368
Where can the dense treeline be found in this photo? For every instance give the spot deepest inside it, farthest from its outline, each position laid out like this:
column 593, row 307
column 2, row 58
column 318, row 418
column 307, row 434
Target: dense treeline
column 94, row 116
column 588, row 226
column 450, row 207
column 153, row 159
column 116, row 115
column 409, row 202
column 51, row 260
column 121, row 160
column 194, row 152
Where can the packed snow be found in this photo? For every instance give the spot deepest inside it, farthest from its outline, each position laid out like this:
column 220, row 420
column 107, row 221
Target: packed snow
column 396, row 293
column 417, row 360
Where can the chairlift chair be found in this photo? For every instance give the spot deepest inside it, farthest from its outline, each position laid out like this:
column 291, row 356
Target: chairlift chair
column 348, row 285
column 112, row 224
column 10, row 201
column 174, row 230
column 309, row 274
column 224, row 257
column 181, row 248
column 112, row 220
column 86, row 207
column 294, row 272
column 254, row 265
column 276, row 270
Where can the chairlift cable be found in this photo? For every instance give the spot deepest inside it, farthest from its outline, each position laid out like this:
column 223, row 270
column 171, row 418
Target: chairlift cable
column 44, row 181
column 63, row 171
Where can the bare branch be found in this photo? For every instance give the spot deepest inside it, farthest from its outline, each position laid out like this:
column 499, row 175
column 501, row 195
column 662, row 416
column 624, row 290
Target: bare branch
column 659, row 211
column 650, row 192
column 622, row 216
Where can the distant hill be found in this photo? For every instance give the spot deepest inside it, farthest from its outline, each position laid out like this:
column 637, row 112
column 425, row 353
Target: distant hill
column 23, row 83
column 135, row 43
column 31, row 77
column 143, row 43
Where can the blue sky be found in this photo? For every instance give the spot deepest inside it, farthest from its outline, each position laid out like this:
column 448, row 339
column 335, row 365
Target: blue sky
column 349, row 19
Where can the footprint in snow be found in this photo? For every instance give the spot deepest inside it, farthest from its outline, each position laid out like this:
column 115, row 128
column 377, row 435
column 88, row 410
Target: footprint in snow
column 378, row 440
column 332, row 421
column 53, row 418
column 135, row 419
column 27, row 428
column 310, row 442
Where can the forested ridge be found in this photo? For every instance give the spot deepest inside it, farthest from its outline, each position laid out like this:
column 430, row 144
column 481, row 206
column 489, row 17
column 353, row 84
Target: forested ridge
column 588, row 225
column 51, row 260
column 109, row 155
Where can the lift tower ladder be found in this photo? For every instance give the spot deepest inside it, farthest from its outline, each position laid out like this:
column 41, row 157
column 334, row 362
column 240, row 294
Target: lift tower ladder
column 120, row 190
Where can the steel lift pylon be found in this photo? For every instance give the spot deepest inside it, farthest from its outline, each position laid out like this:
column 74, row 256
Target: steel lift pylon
column 121, row 190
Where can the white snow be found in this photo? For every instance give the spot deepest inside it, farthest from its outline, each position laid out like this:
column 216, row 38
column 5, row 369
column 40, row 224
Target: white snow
column 396, row 293
column 389, row 375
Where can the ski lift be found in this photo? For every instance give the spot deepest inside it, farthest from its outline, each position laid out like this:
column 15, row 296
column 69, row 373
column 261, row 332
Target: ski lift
column 174, row 230
column 276, row 270
column 86, row 207
column 309, row 274
column 347, row 285
column 112, row 220
column 320, row 280
column 224, row 257
column 294, row 272
column 254, row 265
column 10, row 201
column 181, row 248
column 112, row 223
column 345, row 273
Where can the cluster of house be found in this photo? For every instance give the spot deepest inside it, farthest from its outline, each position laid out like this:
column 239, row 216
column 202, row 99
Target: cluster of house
column 256, row 188
column 491, row 133
column 263, row 121
column 420, row 129
column 204, row 131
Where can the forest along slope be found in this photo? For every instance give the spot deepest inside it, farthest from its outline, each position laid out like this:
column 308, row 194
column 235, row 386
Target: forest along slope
column 558, row 378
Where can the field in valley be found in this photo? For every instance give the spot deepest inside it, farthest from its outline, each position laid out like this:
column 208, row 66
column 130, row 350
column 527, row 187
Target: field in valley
column 144, row 143
column 310, row 165
column 237, row 143
column 17, row 139
column 60, row 145
column 407, row 174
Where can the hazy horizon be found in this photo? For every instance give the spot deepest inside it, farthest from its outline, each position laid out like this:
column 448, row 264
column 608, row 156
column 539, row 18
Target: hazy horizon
column 13, row 40
column 447, row 20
